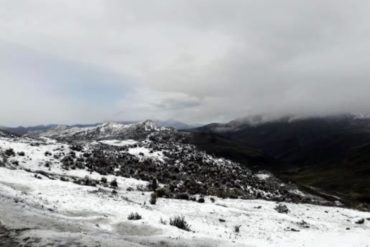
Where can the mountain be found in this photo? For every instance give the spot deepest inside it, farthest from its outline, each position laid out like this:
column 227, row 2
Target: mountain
column 24, row 130
column 137, row 184
column 34, row 130
column 5, row 133
column 174, row 124
column 109, row 130
column 331, row 153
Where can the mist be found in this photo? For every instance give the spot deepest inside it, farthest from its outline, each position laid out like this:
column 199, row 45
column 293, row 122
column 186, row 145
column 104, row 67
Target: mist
column 193, row 61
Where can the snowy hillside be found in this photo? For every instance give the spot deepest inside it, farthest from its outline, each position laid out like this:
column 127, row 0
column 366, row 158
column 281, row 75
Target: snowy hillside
column 88, row 187
column 101, row 131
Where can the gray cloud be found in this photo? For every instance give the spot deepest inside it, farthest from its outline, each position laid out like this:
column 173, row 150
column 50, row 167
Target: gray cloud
column 197, row 61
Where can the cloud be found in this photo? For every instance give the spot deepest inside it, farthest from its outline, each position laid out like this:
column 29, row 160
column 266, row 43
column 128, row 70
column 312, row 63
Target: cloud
column 196, row 61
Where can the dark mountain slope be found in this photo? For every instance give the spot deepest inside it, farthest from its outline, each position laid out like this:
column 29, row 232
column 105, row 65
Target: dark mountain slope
column 330, row 153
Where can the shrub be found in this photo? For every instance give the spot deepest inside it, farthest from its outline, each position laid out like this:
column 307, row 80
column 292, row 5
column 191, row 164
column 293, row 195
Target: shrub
column 9, row 152
column 114, row 183
column 134, row 216
column 237, row 228
column 153, row 198
column 104, row 180
column 201, row 199
column 182, row 196
column 153, row 185
column 283, row 209
column 162, row 221
column 163, row 192
column 21, row 153
column 212, row 199
column 180, row 223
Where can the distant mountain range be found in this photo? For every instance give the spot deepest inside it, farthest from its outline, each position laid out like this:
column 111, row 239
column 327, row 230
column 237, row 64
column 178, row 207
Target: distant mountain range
column 21, row 130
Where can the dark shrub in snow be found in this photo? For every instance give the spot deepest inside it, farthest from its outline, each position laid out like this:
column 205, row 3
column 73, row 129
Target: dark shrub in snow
column 153, row 198
column 283, row 209
column 182, row 196
column 201, row 199
column 180, row 222
column 163, row 192
column 9, row 152
column 134, row 216
column 114, row 183
column 153, row 185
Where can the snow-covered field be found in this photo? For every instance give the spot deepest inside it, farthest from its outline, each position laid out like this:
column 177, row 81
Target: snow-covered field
column 44, row 210
column 48, row 207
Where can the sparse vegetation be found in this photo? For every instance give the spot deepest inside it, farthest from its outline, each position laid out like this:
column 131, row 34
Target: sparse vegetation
column 9, row 152
column 134, row 216
column 114, row 183
column 281, row 208
column 153, row 198
column 180, row 222
column 201, row 199
column 163, row 222
column 103, row 180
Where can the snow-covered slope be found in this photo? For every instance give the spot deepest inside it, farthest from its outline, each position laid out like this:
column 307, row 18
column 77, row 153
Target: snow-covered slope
column 109, row 130
column 52, row 211
column 77, row 186
column 4, row 133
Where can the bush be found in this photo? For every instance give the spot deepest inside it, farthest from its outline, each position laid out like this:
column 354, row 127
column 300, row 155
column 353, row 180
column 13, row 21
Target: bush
column 283, row 209
column 163, row 222
column 114, row 183
column 134, row 216
column 153, row 185
column 201, row 199
column 153, row 198
column 180, row 223
column 237, row 228
column 9, row 152
column 163, row 192
column 21, row 153
column 182, row 196
column 104, row 180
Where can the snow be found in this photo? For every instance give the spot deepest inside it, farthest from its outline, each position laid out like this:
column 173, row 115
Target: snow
column 260, row 224
column 262, row 176
column 58, row 210
column 119, row 143
column 146, row 153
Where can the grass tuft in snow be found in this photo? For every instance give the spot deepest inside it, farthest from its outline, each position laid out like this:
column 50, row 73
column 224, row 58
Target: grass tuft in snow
column 153, row 198
column 134, row 216
column 180, row 222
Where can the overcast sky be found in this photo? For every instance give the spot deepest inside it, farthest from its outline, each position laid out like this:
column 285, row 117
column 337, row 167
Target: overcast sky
column 74, row 61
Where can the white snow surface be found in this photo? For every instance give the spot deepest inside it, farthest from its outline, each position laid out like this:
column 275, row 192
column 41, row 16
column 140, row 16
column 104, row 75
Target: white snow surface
column 119, row 143
column 262, row 176
column 94, row 215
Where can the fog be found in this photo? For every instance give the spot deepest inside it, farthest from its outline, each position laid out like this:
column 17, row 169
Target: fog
column 194, row 61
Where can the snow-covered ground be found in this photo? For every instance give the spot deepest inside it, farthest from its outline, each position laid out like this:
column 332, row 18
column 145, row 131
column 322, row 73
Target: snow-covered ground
column 45, row 210
column 48, row 206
